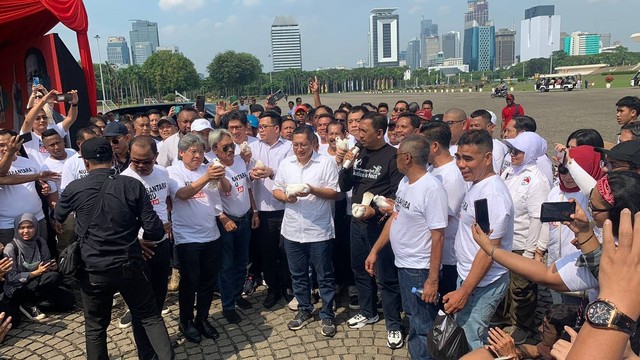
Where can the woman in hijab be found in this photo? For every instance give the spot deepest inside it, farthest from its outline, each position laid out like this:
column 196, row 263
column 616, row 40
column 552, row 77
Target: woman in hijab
column 529, row 188
column 33, row 282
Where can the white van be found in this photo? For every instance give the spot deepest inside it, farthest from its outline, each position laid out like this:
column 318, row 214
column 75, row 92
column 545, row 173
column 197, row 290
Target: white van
column 564, row 82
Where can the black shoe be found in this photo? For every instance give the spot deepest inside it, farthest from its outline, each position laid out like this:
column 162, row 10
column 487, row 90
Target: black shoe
column 231, row 316
column 205, row 328
column 190, row 332
column 243, row 303
column 272, row 299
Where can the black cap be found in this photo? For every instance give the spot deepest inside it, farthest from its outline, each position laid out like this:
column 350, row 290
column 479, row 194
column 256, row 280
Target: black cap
column 97, row 148
column 256, row 108
column 625, row 151
column 115, row 128
column 167, row 120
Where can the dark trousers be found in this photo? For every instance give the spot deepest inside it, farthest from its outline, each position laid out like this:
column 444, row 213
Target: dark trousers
column 132, row 281
column 159, row 271
column 363, row 236
column 47, row 287
column 255, row 258
column 341, row 246
column 274, row 259
column 448, row 282
column 235, row 254
column 199, row 266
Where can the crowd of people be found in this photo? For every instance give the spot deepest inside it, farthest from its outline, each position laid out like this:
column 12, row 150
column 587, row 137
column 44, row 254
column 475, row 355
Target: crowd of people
column 370, row 200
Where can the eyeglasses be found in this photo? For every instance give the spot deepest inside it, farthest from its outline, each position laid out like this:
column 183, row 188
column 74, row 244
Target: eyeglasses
column 42, row 118
column 514, row 152
column 115, row 140
column 264, row 127
column 593, row 209
column 143, row 162
column 230, row 147
column 615, row 166
column 399, row 109
column 301, row 114
column 235, row 128
column 451, row 123
column 396, row 155
column 39, row 96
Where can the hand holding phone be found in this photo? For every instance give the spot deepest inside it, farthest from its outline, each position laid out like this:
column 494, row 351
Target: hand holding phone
column 64, row 97
column 25, row 138
column 273, row 99
column 482, row 215
column 557, row 211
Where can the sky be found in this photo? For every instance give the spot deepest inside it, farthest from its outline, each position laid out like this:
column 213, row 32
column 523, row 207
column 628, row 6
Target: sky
column 333, row 32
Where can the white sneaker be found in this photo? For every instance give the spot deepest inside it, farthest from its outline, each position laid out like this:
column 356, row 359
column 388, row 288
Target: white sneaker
column 360, row 320
column 394, row 339
column 293, row 304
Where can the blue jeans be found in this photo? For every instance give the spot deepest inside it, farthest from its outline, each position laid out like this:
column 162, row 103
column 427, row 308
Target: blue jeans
column 363, row 236
column 482, row 303
column 319, row 255
column 421, row 314
column 235, row 255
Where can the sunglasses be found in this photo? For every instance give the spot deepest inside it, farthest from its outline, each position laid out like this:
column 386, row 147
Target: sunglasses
column 230, row 147
column 115, row 140
column 562, row 169
column 399, row 109
column 143, row 162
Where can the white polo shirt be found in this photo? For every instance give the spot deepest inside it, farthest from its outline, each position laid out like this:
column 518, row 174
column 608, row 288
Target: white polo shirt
column 157, row 186
column 73, row 169
column 168, row 152
column 499, row 151
column 16, row 200
column 455, row 186
column 271, row 156
column 236, row 202
column 500, row 217
column 420, row 207
column 310, row 218
column 54, row 165
column 194, row 219
column 35, row 148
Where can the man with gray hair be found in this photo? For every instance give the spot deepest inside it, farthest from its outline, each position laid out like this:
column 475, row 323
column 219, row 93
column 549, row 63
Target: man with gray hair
column 416, row 233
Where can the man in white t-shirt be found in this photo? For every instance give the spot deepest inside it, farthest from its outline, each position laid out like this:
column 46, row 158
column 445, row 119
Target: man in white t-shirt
column 322, row 120
column 444, row 168
column 406, row 125
column 415, row 230
column 482, row 282
column 236, row 123
column 307, row 225
column 73, row 168
column 168, row 153
column 483, row 120
column 456, row 119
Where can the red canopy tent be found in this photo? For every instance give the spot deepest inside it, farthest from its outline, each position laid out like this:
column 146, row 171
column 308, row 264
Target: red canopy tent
column 22, row 20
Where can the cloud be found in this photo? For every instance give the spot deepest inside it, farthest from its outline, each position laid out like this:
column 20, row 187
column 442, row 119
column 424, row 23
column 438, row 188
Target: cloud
column 247, row 3
column 231, row 20
column 167, row 5
column 415, row 10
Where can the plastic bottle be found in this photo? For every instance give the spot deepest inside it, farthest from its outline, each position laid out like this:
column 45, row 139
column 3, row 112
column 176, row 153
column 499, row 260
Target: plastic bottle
column 417, row 292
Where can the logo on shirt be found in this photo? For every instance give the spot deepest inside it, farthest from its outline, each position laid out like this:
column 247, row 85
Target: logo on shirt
column 526, row 180
column 400, row 202
column 22, row 171
column 373, row 173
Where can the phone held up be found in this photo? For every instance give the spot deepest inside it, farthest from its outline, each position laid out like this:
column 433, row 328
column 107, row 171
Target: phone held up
column 273, row 99
column 482, row 215
column 557, row 211
column 64, row 97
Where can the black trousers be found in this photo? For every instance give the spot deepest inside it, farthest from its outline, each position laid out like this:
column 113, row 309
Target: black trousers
column 199, row 267
column 274, row 259
column 131, row 279
column 45, row 287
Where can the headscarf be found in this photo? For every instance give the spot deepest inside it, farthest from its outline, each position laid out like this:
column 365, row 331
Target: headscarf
column 589, row 161
column 28, row 252
column 531, row 144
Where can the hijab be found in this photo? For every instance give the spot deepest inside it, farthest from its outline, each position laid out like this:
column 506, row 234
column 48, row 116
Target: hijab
column 589, row 161
column 29, row 253
column 531, row 144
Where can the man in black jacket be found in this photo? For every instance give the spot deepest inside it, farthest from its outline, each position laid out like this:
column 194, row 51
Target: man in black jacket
column 111, row 253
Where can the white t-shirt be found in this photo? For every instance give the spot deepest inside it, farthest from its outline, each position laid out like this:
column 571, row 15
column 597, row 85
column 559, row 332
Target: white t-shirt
column 237, row 202
column 528, row 189
column 454, row 184
column 420, row 207
column 500, row 217
column 577, row 278
column 453, row 149
column 560, row 236
column 54, row 165
column 309, row 219
column 16, row 200
column 73, row 169
column 194, row 219
column 499, row 152
column 157, row 186
column 35, row 148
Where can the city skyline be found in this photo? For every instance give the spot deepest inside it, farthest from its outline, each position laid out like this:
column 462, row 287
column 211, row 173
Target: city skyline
column 203, row 28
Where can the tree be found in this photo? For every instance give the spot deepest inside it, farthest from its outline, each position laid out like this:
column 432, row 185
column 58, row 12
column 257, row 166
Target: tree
column 230, row 71
column 168, row 72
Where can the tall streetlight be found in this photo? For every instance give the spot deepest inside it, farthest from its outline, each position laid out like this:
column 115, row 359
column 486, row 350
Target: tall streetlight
column 97, row 37
column 270, row 78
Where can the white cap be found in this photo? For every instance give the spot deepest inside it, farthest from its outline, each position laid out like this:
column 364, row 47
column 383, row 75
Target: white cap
column 494, row 118
column 200, row 125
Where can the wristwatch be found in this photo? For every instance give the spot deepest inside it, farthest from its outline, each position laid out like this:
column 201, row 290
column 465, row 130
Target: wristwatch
column 603, row 314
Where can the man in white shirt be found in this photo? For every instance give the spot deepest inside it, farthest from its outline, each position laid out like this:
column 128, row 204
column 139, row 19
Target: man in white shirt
column 168, row 154
column 483, row 120
column 415, row 230
column 444, row 168
column 73, row 168
column 482, row 283
column 307, row 225
column 236, row 123
column 406, row 125
column 270, row 150
column 456, row 119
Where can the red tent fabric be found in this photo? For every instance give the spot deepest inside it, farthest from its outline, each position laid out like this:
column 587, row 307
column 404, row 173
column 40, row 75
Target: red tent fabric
column 22, row 20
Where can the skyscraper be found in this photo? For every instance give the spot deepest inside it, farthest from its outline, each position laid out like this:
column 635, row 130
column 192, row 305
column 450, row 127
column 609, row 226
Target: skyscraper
column 539, row 32
column 118, row 51
column 286, row 44
column 384, row 37
column 582, row 43
column 144, row 40
column 450, row 44
column 413, row 54
column 478, row 11
column 479, row 37
column 428, row 28
column 430, row 49
column 505, row 47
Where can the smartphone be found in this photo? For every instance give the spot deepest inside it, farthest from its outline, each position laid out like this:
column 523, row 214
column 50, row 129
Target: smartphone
column 565, row 335
column 557, row 211
column 26, row 137
column 64, row 97
column 200, row 102
column 273, row 99
column 176, row 109
column 482, row 214
column 35, row 81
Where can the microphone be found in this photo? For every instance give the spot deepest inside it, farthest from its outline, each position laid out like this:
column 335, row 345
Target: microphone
column 347, row 164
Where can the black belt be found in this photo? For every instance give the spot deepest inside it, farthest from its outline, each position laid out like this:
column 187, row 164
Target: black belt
column 240, row 218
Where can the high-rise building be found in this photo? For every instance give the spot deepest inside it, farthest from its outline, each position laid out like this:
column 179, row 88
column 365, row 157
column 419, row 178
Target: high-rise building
column 118, row 51
column 539, row 32
column 384, row 37
column 480, row 47
column 144, row 40
column 450, row 44
column 478, row 11
column 430, row 49
column 505, row 48
column 413, row 54
column 605, row 40
column 286, row 44
column 173, row 49
column 582, row 43
column 428, row 28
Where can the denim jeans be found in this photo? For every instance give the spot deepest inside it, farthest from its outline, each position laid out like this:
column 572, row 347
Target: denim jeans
column 317, row 254
column 482, row 303
column 132, row 281
column 363, row 236
column 235, row 255
column 421, row 314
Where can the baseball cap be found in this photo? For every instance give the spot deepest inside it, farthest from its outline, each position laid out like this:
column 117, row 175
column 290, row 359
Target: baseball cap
column 510, row 97
column 97, row 148
column 253, row 121
column 166, row 120
column 494, row 118
column 200, row 125
column 300, row 108
column 115, row 128
column 625, row 151
column 255, row 108
column 424, row 114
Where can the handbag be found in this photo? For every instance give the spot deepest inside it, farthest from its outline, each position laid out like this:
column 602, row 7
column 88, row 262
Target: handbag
column 70, row 257
column 446, row 339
